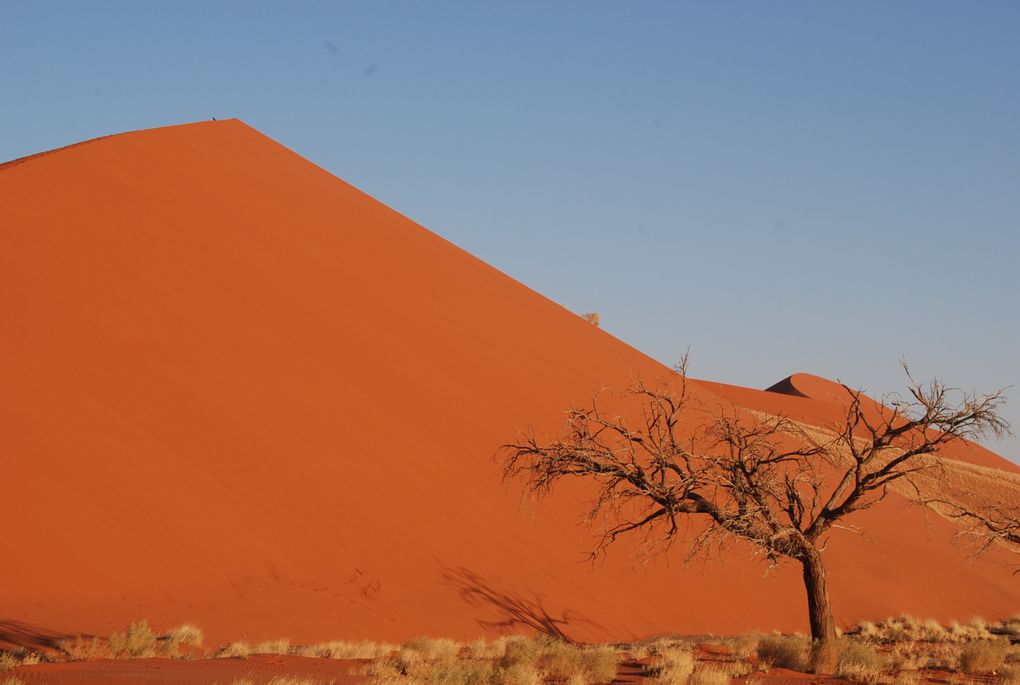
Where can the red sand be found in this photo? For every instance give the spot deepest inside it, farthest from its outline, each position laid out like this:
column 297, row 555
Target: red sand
column 241, row 393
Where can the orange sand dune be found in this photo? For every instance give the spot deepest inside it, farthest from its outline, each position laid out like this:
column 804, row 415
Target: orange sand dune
column 819, row 401
column 241, row 393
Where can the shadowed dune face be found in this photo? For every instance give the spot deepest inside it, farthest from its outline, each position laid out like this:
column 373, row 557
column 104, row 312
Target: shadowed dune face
column 241, row 393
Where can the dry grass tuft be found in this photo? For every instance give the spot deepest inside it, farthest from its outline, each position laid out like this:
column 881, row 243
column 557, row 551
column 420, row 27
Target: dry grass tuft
column 339, row 649
column 673, row 664
column 984, row 657
column 11, row 680
column 188, row 635
column 782, row 651
column 859, row 662
column 562, row 661
column 1010, row 675
column 433, row 648
column 289, row 680
column 280, row 646
column 9, row 661
column 138, row 641
column 234, row 650
column 710, row 675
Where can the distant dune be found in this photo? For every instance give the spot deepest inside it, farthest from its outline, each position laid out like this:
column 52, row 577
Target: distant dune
column 241, row 393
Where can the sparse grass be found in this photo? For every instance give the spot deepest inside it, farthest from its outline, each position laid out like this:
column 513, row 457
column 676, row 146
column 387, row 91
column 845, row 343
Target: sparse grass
column 907, row 678
column 280, row 646
column 783, row 651
column 9, row 661
column 434, row 649
column 234, row 650
column 11, row 680
column 339, row 649
column 859, row 662
column 83, row 649
column 561, row 661
column 907, row 628
column 243, row 681
column 673, row 664
column 710, row 675
column 984, row 657
column 188, row 635
column 138, row 641
column 1010, row 675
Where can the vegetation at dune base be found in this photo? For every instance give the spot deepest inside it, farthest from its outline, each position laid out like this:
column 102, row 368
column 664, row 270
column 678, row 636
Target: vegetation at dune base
column 895, row 651
column 761, row 479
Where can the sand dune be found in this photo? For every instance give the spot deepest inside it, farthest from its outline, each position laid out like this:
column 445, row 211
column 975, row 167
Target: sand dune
column 241, row 393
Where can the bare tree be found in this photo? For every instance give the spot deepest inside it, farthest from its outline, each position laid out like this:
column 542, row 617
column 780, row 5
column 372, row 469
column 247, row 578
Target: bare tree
column 989, row 524
column 765, row 480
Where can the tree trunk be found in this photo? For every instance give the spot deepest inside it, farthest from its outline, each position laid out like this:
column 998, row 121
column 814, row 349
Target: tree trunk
column 823, row 628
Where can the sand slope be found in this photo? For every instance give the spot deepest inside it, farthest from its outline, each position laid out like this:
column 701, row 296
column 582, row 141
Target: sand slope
column 239, row 392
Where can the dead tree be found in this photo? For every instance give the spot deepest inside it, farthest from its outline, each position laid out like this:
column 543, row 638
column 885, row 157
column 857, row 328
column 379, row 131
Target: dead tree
column 763, row 480
column 988, row 524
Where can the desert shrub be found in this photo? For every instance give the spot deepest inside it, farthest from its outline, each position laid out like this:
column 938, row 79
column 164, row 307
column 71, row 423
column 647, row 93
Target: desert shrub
column 516, row 674
column 710, row 675
column 781, row 651
column 859, row 662
column 434, row 649
column 1010, row 675
column 187, row 635
column 519, row 649
column 234, row 650
column 907, row 678
column 560, row 661
column 339, row 649
column 740, row 668
column 480, row 649
column 82, row 649
column 984, row 657
column 280, row 646
column 673, row 665
column 746, row 645
column 138, row 641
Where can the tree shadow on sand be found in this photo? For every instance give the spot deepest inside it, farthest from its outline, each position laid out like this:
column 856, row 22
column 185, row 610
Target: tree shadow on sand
column 515, row 610
column 19, row 634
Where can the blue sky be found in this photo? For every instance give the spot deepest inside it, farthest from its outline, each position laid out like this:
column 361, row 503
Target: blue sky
column 781, row 187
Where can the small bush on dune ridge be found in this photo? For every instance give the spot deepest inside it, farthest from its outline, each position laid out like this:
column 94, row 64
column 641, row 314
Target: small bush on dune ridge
column 984, row 657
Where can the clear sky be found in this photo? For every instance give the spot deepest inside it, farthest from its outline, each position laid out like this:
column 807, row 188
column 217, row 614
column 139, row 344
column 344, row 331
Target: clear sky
column 780, row 186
